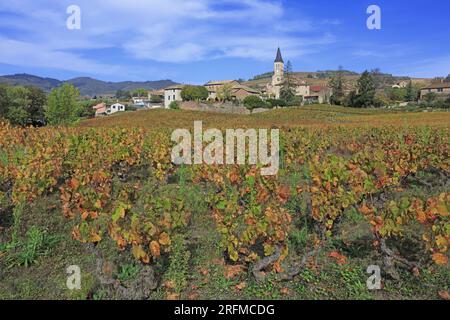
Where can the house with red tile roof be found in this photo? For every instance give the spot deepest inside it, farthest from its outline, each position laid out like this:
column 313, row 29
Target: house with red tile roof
column 102, row 109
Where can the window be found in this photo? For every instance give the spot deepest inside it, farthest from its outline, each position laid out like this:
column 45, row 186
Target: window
column 173, row 97
column 168, row 98
column 441, row 90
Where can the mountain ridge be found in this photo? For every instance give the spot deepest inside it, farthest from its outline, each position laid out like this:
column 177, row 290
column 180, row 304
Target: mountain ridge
column 88, row 86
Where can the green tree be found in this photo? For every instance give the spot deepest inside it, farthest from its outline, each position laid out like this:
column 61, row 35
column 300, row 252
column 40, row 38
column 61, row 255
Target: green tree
column 396, row 94
column 22, row 105
column 337, row 84
column 4, row 101
column 366, row 90
column 85, row 109
column 17, row 116
column 139, row 93
column 19, row 102
column 194, row 93
column 287, row 94
column 122, row 94
column 18, row 97
column 62, row 106
column 378, row 78
column 288, row 74
column 430, row 98
column 411, row 92
column 253, row 102
column 351, row 100
column 155, row 99
column 38, row 100
column 225, row 92
column 273, row 103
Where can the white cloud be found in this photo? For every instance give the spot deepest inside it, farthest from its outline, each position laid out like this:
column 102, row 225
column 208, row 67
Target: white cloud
column 34, row 55
column 175, row 31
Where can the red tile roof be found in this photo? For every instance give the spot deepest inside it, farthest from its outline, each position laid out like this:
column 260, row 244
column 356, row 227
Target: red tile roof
column 317, row 88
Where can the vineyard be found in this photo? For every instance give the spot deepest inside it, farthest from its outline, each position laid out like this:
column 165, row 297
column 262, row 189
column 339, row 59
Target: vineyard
column 355, row 189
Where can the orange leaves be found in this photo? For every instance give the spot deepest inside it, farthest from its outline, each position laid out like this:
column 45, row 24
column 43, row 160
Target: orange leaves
column 440, row 259
column 232, row 272
column 164, row 239
column 74, row 184
column 76, row 234
column 95, row 238
column 241, row 286
column 173, row 296
column 233, row 176
column 339, row 258
column 365, row 210
column 155, row 249
column 444, row 295
column 283, row 193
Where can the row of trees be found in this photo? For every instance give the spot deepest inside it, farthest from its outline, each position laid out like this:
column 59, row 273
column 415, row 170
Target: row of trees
column 370, row 91
column 24, row 106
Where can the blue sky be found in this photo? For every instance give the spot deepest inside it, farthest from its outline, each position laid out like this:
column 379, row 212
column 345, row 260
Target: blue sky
column 194, row 41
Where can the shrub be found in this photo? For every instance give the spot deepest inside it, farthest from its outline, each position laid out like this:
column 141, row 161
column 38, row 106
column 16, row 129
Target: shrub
column 253, row 102
column 441, row 103
column 276, row 103
column 174, row 105
column 296, row 101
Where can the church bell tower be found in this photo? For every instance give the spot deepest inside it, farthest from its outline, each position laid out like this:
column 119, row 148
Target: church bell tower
column 277, row 79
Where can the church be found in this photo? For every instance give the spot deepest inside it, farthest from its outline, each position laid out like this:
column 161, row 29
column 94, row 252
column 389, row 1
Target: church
column 309, row 93
column 274, row 88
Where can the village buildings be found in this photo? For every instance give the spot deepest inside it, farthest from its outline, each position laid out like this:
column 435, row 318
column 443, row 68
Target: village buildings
column 308, row 93
column 238, row 91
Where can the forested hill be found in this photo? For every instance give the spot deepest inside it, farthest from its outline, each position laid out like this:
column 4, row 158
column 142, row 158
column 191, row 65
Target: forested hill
column 87, row 86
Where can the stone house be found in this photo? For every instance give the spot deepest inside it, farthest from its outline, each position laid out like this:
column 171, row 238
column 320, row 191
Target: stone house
column 440, row 89
column 172, row 93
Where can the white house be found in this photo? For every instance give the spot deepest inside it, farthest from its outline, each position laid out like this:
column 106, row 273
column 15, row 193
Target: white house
column 138, row 100
column 171, row 94
column 117, row 107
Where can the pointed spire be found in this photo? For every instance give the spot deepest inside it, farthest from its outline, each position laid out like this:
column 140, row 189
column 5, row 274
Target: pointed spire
column 279, row 58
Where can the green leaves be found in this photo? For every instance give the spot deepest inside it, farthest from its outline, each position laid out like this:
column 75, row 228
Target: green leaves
column 119, row 213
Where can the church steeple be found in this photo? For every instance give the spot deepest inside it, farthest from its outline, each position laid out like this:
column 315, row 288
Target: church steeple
column 279, row 58
column 278, row 74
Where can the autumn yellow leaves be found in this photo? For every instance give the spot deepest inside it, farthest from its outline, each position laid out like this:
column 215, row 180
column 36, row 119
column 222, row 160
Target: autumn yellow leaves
column 340, row 168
